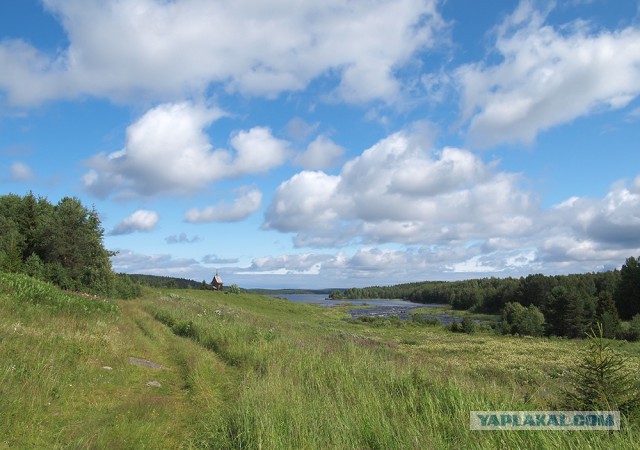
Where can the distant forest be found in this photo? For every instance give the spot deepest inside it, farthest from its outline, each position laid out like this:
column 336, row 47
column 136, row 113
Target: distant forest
column 571, row 304
column 167, row 282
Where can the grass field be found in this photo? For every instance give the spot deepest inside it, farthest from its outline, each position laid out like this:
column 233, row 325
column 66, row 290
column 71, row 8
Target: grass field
column 244, row 371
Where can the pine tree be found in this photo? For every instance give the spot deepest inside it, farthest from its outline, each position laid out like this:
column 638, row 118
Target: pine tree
column 601, row 381
column 607, row 314
column 627, row 294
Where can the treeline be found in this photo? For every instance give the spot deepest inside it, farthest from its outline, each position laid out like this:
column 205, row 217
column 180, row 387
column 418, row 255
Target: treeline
column 262, row 291
column 570, row 304
column 61, row 243
column 158, row 281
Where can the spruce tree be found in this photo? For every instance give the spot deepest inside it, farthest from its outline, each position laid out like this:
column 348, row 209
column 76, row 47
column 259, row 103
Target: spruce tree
column 627, row 294
column 601, row 380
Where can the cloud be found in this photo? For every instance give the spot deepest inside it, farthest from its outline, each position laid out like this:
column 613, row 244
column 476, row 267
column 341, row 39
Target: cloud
column 300, row 264
column 299, row 130
column 214, row 259
column 403, row 190
column 321, row 153
column 128, row 261
column 21, row 172
column 168, row 151
column 141, row 220
column 182, row 238
column 598, row 228
column 389, row 265
column 144, row 48
column 257, row 151
column 546, row 77
column 241, row 208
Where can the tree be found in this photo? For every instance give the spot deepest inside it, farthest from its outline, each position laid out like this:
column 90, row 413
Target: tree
column 634, row 326
column 627, row 293
column 565, row 313
column 61, row 243
column 34, row 267
column 516, row 319
column 511, row 317
column 601, row 380
column 535, row 289
column 607, row 314
column 532, row 322
column 11, row 245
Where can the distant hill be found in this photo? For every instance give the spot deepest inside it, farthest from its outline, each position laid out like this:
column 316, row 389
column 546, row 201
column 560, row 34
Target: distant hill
column 164, row 282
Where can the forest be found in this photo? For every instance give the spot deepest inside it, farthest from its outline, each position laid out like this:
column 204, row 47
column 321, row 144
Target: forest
column 571, row 305
column 61, row 244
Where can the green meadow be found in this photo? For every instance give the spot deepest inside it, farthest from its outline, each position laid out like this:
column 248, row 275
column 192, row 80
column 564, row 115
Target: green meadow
column 204, row 369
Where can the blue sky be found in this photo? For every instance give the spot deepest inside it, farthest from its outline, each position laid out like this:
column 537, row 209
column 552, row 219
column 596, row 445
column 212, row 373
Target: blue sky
column 332, row 144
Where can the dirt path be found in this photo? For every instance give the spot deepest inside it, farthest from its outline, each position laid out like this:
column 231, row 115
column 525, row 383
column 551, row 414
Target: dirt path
column 169, row 379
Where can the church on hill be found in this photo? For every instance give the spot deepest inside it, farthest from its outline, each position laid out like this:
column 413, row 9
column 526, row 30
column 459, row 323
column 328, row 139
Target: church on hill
column 216, row 282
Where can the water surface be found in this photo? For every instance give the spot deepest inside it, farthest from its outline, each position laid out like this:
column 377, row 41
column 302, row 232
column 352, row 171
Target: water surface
column 376, row 307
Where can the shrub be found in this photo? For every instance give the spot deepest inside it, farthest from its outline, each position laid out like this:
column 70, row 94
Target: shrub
column 629, row 331
column 468, row 325
column 234, row 289
column 425, row 320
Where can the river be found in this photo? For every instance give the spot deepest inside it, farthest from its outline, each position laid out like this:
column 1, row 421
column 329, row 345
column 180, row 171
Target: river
column 376, row 307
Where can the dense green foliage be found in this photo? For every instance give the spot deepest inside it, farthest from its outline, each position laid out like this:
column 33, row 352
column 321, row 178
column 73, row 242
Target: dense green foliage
column 166, row 282
column 516, row 319
column 59, row 243
column 627, row 293
column 567, row 305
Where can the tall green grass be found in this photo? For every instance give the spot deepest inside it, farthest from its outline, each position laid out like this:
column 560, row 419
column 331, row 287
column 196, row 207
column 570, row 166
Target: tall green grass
column 26, row 291
column 65, row 379
column 307, row 380
column 244, row 371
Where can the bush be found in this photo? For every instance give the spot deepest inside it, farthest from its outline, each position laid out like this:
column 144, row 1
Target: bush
column 125, row 288
column 424, row 320
column 234, row 289
column 468, row 325
column 629, row 331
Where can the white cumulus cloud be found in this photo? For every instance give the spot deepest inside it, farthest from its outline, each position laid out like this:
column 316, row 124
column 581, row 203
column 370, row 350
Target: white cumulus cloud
column 321, row 153
column 141, row 220
column 166, row 49
column 403, row 190
column 168, row 151
column 240, row 209
column 547, row 76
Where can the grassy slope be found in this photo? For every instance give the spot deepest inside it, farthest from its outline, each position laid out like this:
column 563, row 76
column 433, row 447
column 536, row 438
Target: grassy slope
column 244, row 371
